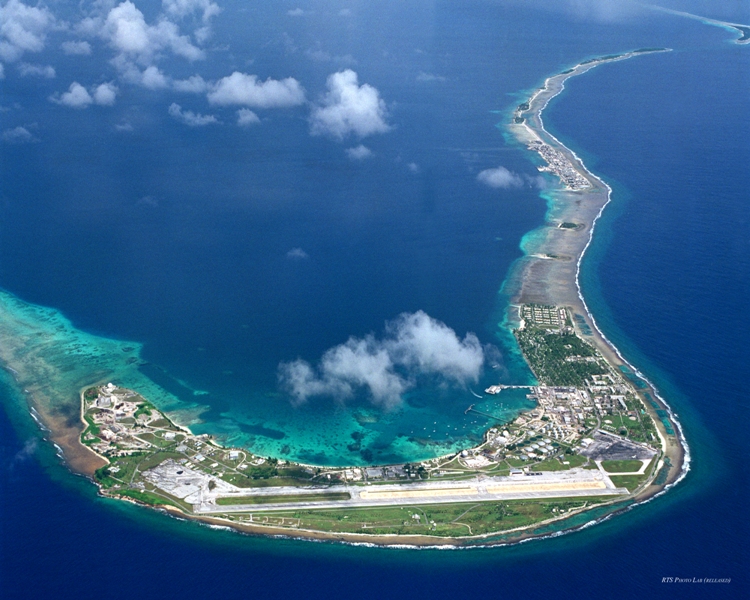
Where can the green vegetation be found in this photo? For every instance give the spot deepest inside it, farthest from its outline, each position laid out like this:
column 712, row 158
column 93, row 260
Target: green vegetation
column 284, row 498
column 150, row 498
column 621, row 466
column 458, row 519
column 630, row 482
column 267, row 475
column 561, row 359
column 144, row 409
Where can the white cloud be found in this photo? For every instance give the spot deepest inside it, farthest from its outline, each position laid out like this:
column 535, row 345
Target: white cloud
column 124, row 126
column 423, row 77
column 246, row 118
column 295, row 12
column 27, row 70
column 360, row 152
column 413, row 167
column 297, row 254
column 76, row 48
column 183, row 8
column 243, row 89
column 345, row 12
column 2, row 71
column 189, row 117
column 349, row 108
column 18, row 135
column 153, row 79
column 415, row 344
column 193, row 85
column 127, row 32
column 421, row 342
column 78, row 96
column 23, row 29
column 500, row 178
column 105, row 94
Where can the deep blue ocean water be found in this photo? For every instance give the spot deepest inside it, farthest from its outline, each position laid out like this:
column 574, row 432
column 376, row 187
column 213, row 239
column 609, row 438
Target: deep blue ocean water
column 177, row 239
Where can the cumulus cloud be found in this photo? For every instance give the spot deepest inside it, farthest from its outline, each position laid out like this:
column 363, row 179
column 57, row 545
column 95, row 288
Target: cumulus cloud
column 72, row 48
column 414, row 344
column 127, row 32
column 413, row 167
column 151, row 78
column 189, row 117
column 18, row 135
column 23, row 29
column 295, row 12
column 243, row 89
column 246, row 118
column 184, row 8
column 360, row 152
column 192, row 85
column 297, row 254
column 349, row 108
column 500, row 178
column 78, row 96
column 105, row 94
column 27, row 70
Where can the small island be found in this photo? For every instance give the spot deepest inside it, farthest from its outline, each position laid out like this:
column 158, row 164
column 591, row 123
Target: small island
column 599, row 439
column 591, row 443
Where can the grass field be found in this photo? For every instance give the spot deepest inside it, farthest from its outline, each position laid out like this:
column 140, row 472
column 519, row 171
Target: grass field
column 630, row 482
column 621, row 466
column 458, row 519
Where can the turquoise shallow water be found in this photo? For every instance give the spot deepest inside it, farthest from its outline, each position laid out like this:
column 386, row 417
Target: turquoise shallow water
column 53, row 360
column 672, row 263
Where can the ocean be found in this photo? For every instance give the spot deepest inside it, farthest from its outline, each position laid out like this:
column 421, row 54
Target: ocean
column 178, row 239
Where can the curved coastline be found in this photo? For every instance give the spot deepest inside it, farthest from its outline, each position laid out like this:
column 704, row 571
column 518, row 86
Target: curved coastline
column 532, row 288
column 546, row 275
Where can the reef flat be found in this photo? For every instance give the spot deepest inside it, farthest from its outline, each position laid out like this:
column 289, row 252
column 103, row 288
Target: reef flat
column 599, row 440
column 548, row 273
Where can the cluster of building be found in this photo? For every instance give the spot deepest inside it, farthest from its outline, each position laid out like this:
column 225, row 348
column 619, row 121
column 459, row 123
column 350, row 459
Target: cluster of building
column 113, row 413
column 551, row 317
column 563, row 418
column 560, row 166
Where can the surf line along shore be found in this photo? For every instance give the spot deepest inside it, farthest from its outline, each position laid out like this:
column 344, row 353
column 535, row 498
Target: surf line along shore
column 547, row 298
column 134, row 451
column 549, row 273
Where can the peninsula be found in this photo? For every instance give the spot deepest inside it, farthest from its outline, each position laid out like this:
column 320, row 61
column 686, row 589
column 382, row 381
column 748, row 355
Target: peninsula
column 599, row 440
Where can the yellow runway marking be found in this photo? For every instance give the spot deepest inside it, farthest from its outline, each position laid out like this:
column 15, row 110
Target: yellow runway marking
column 560, row 486
column 427, row 493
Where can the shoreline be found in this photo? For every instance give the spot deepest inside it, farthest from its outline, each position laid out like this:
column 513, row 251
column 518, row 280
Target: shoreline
column 546, row 275
column 543, row 252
